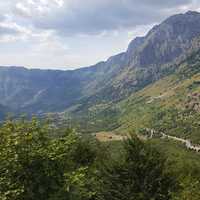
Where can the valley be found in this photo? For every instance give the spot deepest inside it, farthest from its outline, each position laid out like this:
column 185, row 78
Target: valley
column 122, row 129
column 157, row 75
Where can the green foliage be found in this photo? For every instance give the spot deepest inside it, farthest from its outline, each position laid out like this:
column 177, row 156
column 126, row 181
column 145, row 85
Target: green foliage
column 171, row 121
column 190, row 189
column 41, row 162
column 33, row 165
column 140, row 175
column 185, row 164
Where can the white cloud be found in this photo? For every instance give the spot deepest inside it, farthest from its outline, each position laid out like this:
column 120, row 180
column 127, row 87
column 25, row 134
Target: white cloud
column 36, row 8
column 69, row 17
column 11, row 31
column 23, row 10
column 59, row 2
column 53, row 33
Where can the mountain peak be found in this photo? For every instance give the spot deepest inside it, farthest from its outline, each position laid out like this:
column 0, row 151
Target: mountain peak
column 190, row 12
column 166, row 41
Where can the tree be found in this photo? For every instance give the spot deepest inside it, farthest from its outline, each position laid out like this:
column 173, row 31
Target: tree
column 35, row 165
column 141, row 175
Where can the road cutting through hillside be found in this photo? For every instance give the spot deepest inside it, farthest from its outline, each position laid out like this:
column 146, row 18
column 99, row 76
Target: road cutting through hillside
column 187, row 143
column 111, row 136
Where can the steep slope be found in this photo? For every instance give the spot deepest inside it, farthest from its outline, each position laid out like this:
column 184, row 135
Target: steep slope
column 146, row 60
column 37, row 90
column 172, row 104
column 167, row 99
column 167, row 41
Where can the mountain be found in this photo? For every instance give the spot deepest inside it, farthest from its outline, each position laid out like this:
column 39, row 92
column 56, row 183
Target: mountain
column 171, row 104
column 94, row 93
column 147, row 60
column 38, row 91
column 147, row 57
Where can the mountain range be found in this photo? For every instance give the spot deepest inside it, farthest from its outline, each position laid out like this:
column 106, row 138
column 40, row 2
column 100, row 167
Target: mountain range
column 94, row 96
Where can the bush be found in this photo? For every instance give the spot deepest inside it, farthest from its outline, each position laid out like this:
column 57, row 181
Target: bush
column 141, row 175
column 33, row 165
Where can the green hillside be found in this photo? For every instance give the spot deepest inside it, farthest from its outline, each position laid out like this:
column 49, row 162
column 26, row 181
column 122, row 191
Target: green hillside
column 172, row 100
column 171, row 104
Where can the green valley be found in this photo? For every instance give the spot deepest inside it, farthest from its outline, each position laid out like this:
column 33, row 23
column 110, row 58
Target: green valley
column 127, row 128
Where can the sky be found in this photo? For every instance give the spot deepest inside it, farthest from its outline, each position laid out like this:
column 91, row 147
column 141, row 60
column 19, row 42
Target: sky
column 69, row 34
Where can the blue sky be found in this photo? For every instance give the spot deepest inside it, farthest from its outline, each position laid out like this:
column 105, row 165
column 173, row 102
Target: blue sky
column 68, row 34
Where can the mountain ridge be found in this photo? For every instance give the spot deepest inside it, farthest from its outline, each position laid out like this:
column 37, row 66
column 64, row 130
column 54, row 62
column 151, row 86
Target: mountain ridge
column 146, row 60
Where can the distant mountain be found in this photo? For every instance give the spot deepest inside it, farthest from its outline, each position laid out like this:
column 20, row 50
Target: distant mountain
column 38, row 91
column 146, row 60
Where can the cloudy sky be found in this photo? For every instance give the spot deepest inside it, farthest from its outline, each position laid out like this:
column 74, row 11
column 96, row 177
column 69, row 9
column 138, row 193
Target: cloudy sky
column 66, row 34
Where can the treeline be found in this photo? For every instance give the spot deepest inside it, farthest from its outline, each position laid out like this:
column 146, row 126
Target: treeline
column 41, row 162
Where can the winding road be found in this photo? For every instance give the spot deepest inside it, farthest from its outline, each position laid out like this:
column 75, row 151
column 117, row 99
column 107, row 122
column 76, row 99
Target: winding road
column 109, row 136
column 186, row 142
